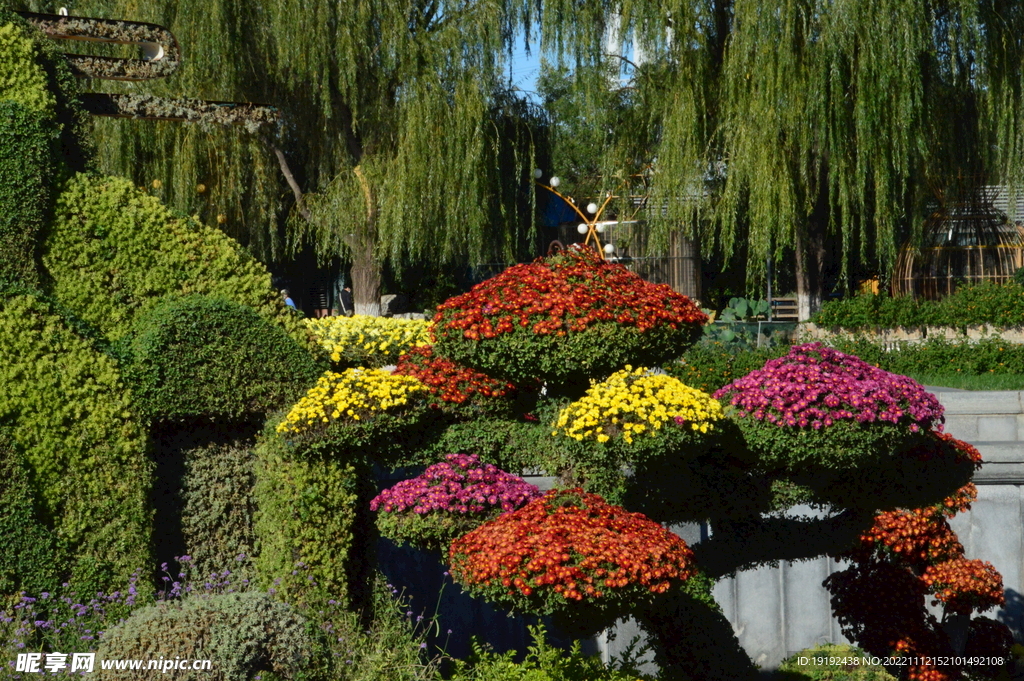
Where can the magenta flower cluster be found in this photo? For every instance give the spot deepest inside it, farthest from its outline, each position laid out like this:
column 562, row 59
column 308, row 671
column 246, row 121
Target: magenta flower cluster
column 459, row 484
column 816, row 386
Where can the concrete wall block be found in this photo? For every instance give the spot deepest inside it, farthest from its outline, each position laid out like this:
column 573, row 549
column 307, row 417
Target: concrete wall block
column 997, row 427
column 988, row 402
column 962, row 426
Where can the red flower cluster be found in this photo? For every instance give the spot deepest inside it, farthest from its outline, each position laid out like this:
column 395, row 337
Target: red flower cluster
column 906, row 555
column 565, row 293
column 965, row 585
column 447, row 380
column 573, row 544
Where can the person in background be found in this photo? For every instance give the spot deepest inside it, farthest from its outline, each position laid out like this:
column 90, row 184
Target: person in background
column 287, row 299
column 346, row 301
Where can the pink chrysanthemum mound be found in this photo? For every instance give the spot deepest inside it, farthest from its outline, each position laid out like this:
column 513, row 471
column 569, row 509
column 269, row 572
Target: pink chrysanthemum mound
column 447, row 500
column 815, row 386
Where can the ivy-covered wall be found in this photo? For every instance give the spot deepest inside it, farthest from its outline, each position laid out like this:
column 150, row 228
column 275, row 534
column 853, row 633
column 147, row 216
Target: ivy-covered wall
column 113, row 251
column 68, row 410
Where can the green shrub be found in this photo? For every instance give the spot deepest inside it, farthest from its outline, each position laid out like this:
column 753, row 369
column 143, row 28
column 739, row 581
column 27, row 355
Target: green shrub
column 984, row 304
column 210, row 358
column 389, row 648
column 939, row 356
column 114, row 252
column 543, row 662
column 71, row 415
column 243, row 634
column 710, row 366
column 27, row 547
column 307, row 511
column 218, row 508
column 22, row 78
column 829, row 662
column 513, row 445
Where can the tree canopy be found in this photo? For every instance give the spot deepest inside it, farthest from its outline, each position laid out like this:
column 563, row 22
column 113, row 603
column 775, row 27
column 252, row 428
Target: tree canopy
column 781, row 124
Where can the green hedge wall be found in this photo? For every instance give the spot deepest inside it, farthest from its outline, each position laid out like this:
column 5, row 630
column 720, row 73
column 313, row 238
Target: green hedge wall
column 27, row 546
column 999, row 305
column 218, row 506
column 308, row 508
column 69, row 412
column 113, row 251
column 210, row 358
column 41, row 128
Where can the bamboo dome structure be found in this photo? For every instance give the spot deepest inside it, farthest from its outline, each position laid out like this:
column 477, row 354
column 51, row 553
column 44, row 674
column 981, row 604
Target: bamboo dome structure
column 967, row 241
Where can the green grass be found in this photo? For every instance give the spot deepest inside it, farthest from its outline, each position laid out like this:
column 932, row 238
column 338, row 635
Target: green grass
column 972, row 381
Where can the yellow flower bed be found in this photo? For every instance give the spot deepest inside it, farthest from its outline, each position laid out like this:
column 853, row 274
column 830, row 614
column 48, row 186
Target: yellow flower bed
column 363, row 339
column 635, row 403
column 353, row 395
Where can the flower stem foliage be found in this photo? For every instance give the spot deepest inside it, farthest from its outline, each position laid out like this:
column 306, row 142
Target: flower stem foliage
column 572, row 554
column 564, row 319
column 447, row 500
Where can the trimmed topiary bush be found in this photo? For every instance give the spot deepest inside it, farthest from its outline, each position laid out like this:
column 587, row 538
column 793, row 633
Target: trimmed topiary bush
column 563, row 320
column 307, row 511
column 853, row 433
column 27, row 546
column 71, row 415
column 243, row 634
column 114, row 251
column 200, row 357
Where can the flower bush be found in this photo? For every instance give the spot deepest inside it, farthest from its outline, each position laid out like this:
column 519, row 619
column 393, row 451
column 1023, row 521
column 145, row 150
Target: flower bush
column 565, row 319
column 817, row 408
column 569, row 550
column 634, row 403
column 448, row 381
column 368, row 341
column 905, row 556
column 353, row 395
column 447, row 500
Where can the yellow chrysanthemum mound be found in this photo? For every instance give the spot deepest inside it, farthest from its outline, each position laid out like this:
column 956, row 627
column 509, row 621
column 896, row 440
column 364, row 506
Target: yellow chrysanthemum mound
column 368, row 340
column 635, row 402
column 353, row 395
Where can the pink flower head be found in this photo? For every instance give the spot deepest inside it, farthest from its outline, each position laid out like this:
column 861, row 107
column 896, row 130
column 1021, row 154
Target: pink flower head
column 815, row 384
column 459, row 484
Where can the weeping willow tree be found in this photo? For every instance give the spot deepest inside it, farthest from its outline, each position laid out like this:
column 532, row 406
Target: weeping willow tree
column 392, row 143
column 802, row 125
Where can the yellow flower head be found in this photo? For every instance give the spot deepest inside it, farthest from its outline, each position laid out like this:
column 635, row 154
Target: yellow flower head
column 632, row 403
column 368, row 340
column 352, row 395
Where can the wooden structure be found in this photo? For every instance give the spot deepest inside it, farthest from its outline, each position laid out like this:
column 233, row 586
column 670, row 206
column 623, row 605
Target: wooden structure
column 967, row 241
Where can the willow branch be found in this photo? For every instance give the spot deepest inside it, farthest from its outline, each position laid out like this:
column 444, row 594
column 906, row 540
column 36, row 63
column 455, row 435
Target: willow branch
column 300, row 205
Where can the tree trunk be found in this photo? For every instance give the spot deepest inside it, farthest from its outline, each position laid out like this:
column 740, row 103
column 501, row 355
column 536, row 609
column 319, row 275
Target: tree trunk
column 366, row 273
column 365, row 279
column 810, row 270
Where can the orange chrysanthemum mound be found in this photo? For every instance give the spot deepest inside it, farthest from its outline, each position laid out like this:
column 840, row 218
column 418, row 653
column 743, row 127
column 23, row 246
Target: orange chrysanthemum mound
column 570, row 546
